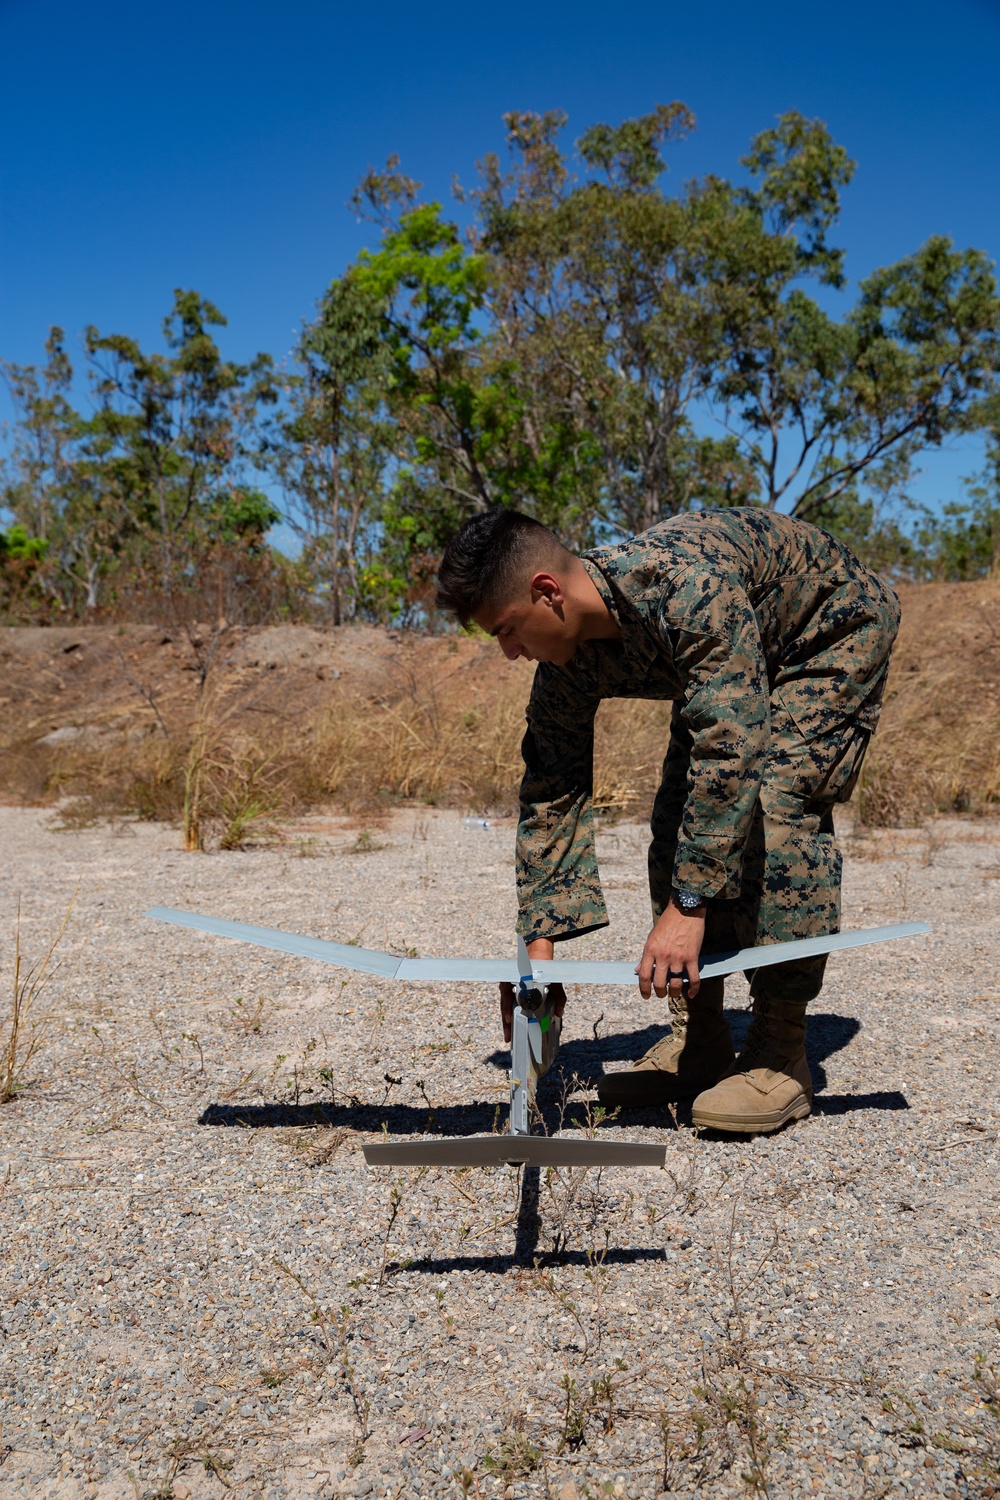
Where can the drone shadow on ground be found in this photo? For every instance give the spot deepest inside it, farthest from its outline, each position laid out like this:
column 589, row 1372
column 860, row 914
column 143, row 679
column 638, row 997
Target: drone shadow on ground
column 477, row 1118
column 526, row 1254
column 581, row 1061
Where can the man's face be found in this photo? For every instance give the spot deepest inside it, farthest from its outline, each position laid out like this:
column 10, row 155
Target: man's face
column 534, row 626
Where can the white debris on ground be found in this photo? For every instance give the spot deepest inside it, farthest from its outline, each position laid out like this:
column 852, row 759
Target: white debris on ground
column 204, row 1290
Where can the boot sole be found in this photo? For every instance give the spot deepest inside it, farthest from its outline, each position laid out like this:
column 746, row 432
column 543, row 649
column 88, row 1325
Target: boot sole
column 763, row 1124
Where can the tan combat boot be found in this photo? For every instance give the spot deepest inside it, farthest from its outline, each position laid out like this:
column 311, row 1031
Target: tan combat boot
column 698, row 1051
column 770, row 1083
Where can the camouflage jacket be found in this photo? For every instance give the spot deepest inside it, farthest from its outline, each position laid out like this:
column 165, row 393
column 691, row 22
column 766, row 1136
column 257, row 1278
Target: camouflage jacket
column 719, row 611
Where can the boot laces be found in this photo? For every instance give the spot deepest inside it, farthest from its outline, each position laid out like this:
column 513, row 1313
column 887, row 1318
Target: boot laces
column 767, row 1045
column 677, row 1007
column 757, row 1044
column 665, row 1049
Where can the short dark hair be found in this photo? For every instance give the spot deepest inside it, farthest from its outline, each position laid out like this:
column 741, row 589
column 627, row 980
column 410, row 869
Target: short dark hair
column 484, row 563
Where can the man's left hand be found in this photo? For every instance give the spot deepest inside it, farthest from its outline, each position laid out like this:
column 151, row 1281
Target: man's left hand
column 670, row 957
column 508, row 999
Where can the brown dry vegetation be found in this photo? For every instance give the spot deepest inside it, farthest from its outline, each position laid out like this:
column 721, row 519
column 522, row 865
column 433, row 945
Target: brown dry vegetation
column 938, row 745
column 230, row 730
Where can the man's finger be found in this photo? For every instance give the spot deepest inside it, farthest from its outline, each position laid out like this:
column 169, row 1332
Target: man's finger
column 691, row 981
column 558, row 997
column 507, row 1010
column 676, row 975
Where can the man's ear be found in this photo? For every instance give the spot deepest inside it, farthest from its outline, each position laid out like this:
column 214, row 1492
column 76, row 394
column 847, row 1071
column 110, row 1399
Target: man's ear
column 547, row 586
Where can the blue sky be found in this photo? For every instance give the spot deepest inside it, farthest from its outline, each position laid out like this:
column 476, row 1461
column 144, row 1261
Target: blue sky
column 214, row 145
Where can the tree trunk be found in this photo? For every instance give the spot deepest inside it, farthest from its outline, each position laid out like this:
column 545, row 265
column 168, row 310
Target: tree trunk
column 336, row 535
column 351, row 551
column 167, row 559
column 93, row 577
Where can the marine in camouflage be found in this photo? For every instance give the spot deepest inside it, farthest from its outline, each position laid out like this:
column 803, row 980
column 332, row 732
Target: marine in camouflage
column 773, row 642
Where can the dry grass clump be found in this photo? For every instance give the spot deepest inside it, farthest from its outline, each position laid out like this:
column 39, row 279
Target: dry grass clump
column 443, row 738
column 937, row 750
column 225, row 791
column 938, row 746
column 137, row 774
column 450, row 747
column 425, row 740
column 228, row 773
column 22, row 1029
column 226, row 732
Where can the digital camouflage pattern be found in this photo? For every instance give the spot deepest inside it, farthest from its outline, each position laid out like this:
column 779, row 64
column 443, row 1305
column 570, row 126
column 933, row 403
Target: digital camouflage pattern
column 773, row 640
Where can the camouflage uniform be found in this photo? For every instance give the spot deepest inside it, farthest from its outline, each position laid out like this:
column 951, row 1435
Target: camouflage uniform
column 773, row 642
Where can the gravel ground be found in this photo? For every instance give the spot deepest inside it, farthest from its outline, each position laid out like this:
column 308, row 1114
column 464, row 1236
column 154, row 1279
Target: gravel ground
column 204, row 1290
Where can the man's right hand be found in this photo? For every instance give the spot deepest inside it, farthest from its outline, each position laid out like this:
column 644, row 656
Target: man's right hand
column 670, row 958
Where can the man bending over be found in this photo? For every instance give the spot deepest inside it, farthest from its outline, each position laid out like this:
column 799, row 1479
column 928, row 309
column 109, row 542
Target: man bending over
column 772, row 640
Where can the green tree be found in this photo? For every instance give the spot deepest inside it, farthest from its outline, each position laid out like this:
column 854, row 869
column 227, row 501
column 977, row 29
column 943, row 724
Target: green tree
column 51, row 488
column 244, row 516
column 331, row 443
column 443, row 389
column 643, row 318
column 21, row 556
column 817, row 403
column 431, row 291
column 963, row 541
column 151, row 484
column 611, row 306
column 40, row 461
column 605, row 353
column 172, row 430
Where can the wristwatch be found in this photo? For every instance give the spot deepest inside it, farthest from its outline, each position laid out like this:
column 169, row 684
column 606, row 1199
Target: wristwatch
column 688, row 901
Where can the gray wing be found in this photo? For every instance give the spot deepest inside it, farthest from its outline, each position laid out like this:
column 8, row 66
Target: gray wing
column 493, row 970
column 568, row 971
column 345, row 955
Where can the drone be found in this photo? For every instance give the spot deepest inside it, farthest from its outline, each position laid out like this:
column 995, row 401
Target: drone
column 535, row 1032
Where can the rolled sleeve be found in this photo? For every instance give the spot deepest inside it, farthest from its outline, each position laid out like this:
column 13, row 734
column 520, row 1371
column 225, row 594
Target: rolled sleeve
column 558, row 886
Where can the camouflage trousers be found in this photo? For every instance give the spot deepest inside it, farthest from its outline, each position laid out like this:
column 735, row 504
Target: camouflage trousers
column 790, row 885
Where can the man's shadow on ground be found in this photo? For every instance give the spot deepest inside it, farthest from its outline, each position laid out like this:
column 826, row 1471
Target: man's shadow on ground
column 826, row 1034
column 582, row 1060
column 589, row 1057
